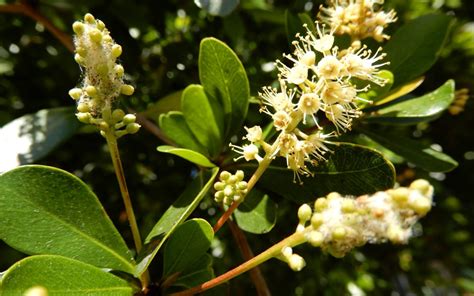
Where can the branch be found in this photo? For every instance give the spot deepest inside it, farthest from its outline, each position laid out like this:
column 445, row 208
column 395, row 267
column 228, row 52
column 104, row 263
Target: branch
column 255, row 274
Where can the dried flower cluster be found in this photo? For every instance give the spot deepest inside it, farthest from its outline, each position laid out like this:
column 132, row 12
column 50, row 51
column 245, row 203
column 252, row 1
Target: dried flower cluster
column 338, row 224
column 358, row 18
column 97, row 53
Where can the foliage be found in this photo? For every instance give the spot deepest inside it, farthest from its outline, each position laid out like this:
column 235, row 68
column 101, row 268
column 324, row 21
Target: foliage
column 198, row 99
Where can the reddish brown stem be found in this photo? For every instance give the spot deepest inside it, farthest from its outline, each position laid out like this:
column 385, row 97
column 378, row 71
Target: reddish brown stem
column 26, row 9
column 255, row 274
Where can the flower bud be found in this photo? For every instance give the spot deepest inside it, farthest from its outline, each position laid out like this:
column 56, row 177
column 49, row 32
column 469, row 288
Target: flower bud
column 118, row 115
column 242, row 185
column 84, row 117
column 315, row 238
column 95, row 35
column 81, row 51
column 79, row 59
column 339, row 233
column 132, row 128
column 304, row 213
column 78, row 28
column 219, row 186
column 116, row 50
column 296, row 262
column 100, row 25
column 348, row 206
column 89, row 18
column 91, row 91
column 239, row 175
column 127, row 90
column 400, row 195
column 75, row 93
column 119, row 70
column 104, row 126
column 129, row 118
column 316, row 220
column 421, row 185
column 224, row 175
column 320, row 204
column 309, row 58
column 83, row 107
column 228, row 190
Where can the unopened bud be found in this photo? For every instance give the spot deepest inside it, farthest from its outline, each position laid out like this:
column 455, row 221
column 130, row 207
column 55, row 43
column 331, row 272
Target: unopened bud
column 100, row 25
column 339, row 233
column 315, row 238
column 320, row 204
column 83, row 107
column 224, row 175
column 421, row 185
column 304, row 213
column 75, row 93
column 316, row 220
column 89, row 18
column 119, row 70
column 78, row 28
column 84, row 117
column 91, row 91
column 95, row 35
column 239, row 175
column 116, row 50
column 133, row 128
column 127, row 90
column 296, row 262
column 219, row 186
column 118, row 115
column 129, row 118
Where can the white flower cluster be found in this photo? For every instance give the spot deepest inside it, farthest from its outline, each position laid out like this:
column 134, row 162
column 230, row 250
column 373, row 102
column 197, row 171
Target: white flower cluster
column 317, row 83
column 338, row 224
column 358, row 18
column 97, row 53
column 230, row 188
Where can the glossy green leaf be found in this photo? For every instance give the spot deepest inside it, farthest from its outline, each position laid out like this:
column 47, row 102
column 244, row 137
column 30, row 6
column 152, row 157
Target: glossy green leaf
column 61, row 276
column 203, row 117
column 174, row 126
column 415, row 110
column 186, row 245
column 413, row 151
column 350, row 169
column 187, row 154
column 200, row 272
column 257, row 214
column 223, row 77
column 31, row 137
column 176, row 214
column 415, row 47
column 44, row 210
column 401, row 91
column 171, row 102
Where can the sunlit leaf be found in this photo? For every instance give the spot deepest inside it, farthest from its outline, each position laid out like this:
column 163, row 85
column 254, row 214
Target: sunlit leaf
column 33, row 136
column 187, row 154
column 61, row 276
column 44, row 210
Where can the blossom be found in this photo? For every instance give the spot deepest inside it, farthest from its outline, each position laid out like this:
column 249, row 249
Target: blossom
column 338, row 224
column 358, row 18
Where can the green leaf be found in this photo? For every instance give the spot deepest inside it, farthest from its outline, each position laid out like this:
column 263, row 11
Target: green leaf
column 400, row 91
column 187, row 154
column 61, row 276
column 217, row 7
column 223, row 77
column 200, row 272
column 415, row 110
column 257, row 214
column 415, row 47
column 175, row 128
column 186, row 245
column 350, row 169
column 203, row 117
column 31, row 137
column 171, row 102
column 44, row 210
column 413, row 151
column 174, row 216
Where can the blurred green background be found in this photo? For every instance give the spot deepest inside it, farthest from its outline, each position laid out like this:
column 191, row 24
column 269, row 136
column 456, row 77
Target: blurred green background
column 161, row 42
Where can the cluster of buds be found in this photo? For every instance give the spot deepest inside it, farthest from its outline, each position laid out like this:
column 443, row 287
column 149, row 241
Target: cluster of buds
column 97, row 53
column 358, row 18
column 338, row 224
column 317, row 82
column 230, row 188
column 460, row 100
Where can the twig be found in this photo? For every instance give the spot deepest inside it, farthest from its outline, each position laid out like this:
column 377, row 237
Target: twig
column 255, row 274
